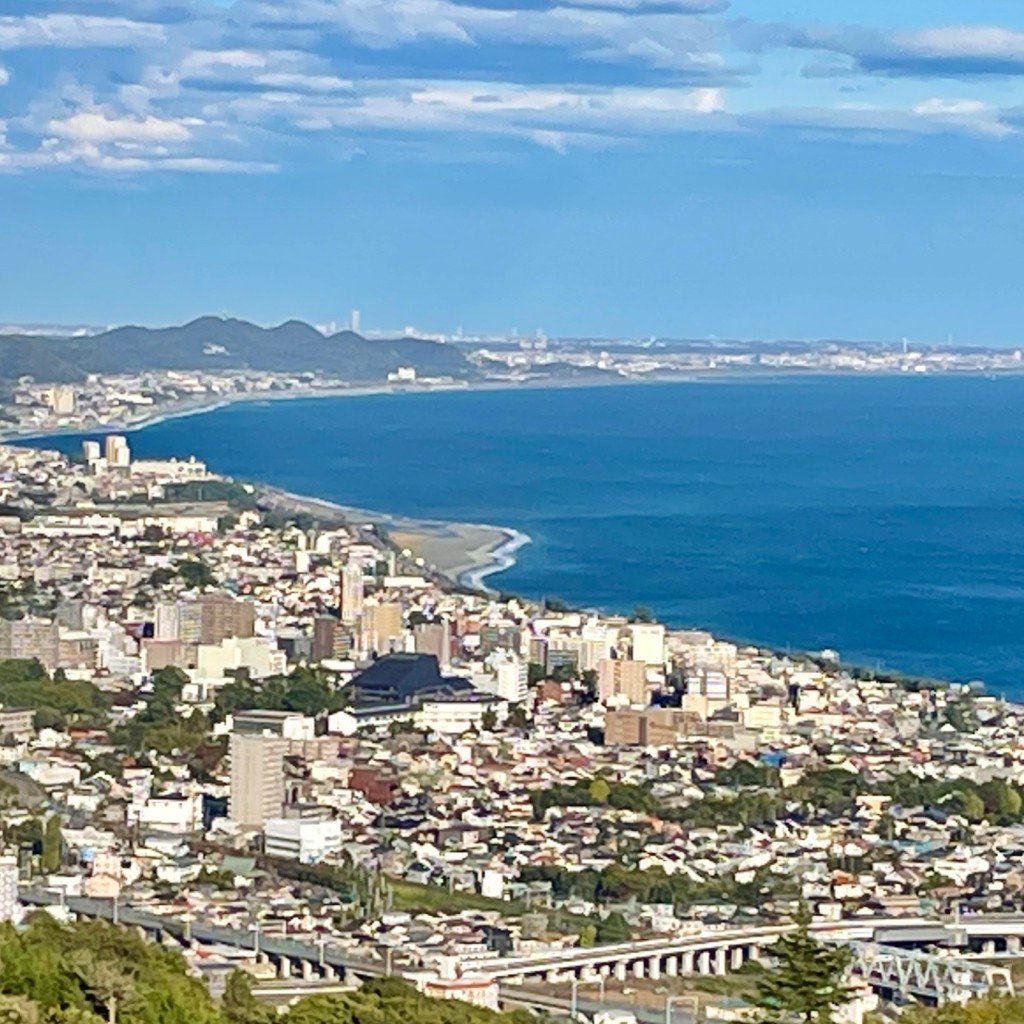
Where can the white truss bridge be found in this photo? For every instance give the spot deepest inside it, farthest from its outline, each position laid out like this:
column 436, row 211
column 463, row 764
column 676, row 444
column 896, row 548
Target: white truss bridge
column 916, row 976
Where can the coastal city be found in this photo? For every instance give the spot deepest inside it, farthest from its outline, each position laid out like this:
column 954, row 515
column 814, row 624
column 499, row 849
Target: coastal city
column 279, row 739
column 36, row 403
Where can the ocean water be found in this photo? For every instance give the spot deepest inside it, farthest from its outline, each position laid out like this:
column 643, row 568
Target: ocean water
column 883, row 517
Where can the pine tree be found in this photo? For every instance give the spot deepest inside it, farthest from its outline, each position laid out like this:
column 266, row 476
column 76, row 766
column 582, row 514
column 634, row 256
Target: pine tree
column 808, row 981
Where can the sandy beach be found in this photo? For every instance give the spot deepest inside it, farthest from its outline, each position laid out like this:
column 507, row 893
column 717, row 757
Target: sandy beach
column 465, row 553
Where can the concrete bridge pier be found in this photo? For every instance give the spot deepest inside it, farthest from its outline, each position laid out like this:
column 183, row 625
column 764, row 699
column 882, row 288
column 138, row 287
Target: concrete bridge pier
column 686, row 962
column 620, row 971
column 721, row 960
column 704, row 961
column 307, row 970
column 638, row 969
column 1013, row 945
column 672, row 966
column 654, row 968
column 736, row 958
column 328, row 973
column 604, row 971
column 284, row 968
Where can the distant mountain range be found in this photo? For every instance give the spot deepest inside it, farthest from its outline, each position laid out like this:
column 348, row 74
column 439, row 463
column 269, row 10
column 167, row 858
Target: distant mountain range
column 213, row 343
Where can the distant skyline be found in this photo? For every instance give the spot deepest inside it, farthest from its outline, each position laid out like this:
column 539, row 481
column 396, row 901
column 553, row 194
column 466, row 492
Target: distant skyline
column 685, row 168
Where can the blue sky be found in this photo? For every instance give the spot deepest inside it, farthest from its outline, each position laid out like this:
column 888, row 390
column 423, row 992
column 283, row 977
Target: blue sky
column 752, row 168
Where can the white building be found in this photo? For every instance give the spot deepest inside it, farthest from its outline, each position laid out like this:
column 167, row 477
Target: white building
column 454, row 717
column 648, row 642
column 8, row 888
column 306, row 840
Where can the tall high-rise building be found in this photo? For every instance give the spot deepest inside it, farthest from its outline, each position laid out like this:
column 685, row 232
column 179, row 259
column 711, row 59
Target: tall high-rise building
column 91, row 451
column 212, row 618
column 323, row 637
column 351, row 593
column 62, row 400
column 8, row 887
column 381, row 627
column 356, row 321
column 257, row 778
column 435, row 638
column 167, row 621
column 625, row 681
column 117, row 452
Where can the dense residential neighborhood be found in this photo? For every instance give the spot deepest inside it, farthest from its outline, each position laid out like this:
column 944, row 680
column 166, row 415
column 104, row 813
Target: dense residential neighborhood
column 288, row 727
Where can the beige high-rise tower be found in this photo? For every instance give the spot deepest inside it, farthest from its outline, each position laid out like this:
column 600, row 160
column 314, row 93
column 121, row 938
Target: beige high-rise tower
column 257, row 779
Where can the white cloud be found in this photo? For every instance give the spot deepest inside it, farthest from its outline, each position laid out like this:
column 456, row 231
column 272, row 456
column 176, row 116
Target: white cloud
column 5, row 75
column 79, row 31
column 92, row 126
column 965, row 41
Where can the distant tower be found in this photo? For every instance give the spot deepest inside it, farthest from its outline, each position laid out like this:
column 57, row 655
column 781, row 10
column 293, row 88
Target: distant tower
column 351, row 593
column 356, row 321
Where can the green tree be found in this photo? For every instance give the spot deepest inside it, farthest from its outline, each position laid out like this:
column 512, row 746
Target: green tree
column 489, row 720
column 240, row 1006
column 599, row 791
column 195, row 574
column 807, row 983
column 52, row 845
column 613, row 928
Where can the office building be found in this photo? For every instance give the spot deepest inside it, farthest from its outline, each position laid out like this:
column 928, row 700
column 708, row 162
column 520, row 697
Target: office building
column 648, row 643
column 356, row 321
column 289, row 725
column 166, row 621
column 91, row 451
column 307, row 840
column 621, row 682
column 62, row 400
column 30, row 639
column 257, row 778
column 652, row 727
column 381, row 627
column 323, row 637
column 8, row 887
column 117, row 452
column 212, row 618
column 351, row 593
column 434, row 638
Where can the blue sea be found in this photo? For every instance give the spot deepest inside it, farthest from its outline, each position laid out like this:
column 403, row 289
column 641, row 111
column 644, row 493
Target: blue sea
column 880, row 516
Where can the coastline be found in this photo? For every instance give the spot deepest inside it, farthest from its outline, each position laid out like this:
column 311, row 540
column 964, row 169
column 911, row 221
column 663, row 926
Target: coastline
column 187, row 408
column 465, row 554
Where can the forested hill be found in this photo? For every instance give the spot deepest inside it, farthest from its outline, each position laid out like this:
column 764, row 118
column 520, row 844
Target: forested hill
column 212, row 343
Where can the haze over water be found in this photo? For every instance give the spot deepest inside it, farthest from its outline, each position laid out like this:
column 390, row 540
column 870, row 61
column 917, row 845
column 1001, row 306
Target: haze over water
column 880, row 516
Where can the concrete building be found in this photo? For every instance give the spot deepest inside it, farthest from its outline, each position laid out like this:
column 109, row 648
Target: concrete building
column 289, row 725
column 381, row 627
column 351, row 597
column 307, row 840
column 260, row 657
column 648, row 642
column 323, row 637
column 117, row 452
column 652, row 727
column 30, row 639
column 434, row 638
column 8, row 887
column 212, row 618
column 257, row 778
column 621, row 681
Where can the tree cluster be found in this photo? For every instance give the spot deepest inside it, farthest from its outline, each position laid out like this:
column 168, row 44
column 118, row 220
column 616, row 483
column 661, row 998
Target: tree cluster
column 95, row 972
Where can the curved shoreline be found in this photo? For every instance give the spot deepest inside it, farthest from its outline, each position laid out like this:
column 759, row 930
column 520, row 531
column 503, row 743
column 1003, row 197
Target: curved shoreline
column 464, row 553
column 500, row 559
